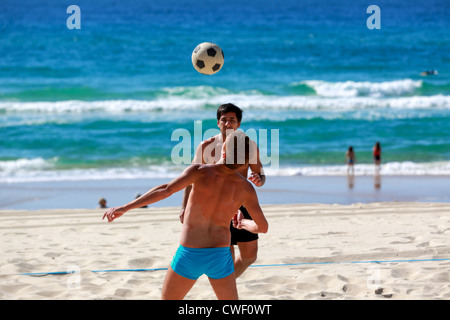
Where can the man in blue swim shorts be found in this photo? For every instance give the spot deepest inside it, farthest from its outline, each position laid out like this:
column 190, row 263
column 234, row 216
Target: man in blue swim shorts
column 191, row 263
column 229, row 117
column 218, row 191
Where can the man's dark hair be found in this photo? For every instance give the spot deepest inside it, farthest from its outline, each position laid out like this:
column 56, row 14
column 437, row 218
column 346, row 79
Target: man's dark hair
column 237, row 150
column 229, row 107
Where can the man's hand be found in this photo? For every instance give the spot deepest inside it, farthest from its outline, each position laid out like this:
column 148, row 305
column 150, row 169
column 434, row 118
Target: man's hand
column 113, row 213
column 237, row 219
column 256, row 179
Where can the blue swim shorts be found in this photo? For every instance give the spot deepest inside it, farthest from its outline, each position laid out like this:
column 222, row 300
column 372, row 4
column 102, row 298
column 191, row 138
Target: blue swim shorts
column 191, row 263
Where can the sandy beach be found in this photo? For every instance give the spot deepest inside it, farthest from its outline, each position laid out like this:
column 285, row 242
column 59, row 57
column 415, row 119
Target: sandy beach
column 388, row 250
column 84, row 194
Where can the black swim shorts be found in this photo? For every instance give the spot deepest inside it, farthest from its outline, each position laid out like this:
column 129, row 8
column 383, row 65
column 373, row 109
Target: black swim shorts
column 240, row 235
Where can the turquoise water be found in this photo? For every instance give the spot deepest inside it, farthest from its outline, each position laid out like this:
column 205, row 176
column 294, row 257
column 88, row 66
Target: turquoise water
column 103, row 101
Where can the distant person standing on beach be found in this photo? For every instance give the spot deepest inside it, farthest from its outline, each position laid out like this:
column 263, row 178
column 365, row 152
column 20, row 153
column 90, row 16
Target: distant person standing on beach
column 377, row 156
column 350, row 157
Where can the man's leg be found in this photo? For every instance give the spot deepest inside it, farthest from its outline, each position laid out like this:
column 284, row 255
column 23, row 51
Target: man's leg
column 248, row 252
column 225, row 288
column 175, row 287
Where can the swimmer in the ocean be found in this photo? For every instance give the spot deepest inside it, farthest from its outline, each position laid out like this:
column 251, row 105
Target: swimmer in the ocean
column 429, row 73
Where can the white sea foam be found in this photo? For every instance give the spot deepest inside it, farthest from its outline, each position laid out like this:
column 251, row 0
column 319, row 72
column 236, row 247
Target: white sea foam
column 108, row 106
column 331, row 96
column 364, row 88
column 404, row 168
column 40, row 170
column 345, row 104
column 10, row 167
column 247, row 102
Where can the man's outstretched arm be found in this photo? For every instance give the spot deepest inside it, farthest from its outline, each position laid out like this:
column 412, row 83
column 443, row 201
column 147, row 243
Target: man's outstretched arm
column 156, row 194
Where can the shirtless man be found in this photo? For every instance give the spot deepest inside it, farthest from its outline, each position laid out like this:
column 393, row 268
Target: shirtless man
column 229, row 119
column 218, row 191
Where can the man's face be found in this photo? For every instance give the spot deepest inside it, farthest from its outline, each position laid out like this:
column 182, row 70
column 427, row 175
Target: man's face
column 228, row 121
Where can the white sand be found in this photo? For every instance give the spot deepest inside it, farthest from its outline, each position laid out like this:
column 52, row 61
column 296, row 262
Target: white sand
column 78, row 240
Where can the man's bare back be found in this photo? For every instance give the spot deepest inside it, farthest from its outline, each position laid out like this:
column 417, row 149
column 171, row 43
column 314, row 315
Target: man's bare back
column 216, row 195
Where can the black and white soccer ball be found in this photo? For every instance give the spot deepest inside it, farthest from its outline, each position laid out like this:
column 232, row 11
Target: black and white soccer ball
column 208, row 58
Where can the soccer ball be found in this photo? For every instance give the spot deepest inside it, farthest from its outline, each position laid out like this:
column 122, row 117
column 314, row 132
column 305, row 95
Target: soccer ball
column 207, row 58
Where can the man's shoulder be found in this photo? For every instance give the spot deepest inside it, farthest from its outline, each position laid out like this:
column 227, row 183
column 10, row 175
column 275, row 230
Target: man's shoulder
column 204, row 166
column 201, row 169
column 243, row 181
column 193, row 167
column 213, row 139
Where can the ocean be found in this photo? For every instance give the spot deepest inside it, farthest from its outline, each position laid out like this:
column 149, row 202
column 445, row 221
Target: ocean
column 105, row 101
